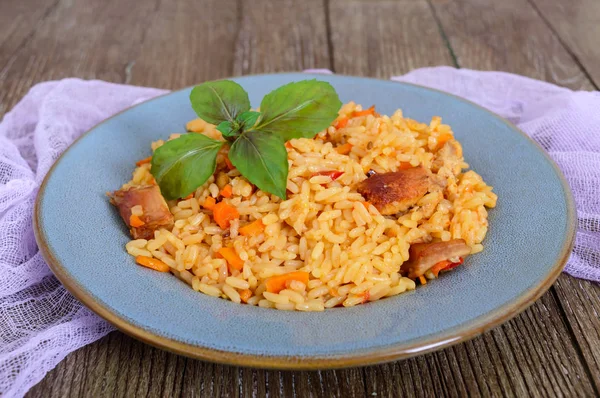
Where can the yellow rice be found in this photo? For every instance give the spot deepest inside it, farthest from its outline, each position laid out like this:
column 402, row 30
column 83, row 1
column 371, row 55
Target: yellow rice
column 352, row 252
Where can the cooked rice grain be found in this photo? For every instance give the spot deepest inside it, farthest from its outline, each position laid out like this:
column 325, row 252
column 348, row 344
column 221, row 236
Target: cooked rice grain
column 352, row 253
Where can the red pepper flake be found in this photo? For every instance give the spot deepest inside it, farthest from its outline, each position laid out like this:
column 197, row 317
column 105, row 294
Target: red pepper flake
column 445, row 265
column 333, row 174
column 454, row 265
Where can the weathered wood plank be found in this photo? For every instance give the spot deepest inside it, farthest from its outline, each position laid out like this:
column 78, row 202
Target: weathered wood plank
column 186, row 42
column 385, row 38
column 509, row 36
column 577, row 24
column 165, row 46
column 286, row 35
column 18, row 20
column 580, row 301
column 528, row 356
column 77, row 38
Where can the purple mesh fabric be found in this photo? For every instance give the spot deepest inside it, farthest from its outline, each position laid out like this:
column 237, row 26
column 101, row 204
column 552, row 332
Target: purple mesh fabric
column 40, row 322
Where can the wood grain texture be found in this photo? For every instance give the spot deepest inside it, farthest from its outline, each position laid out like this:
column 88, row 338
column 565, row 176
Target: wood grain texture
column 76, row 38
column 509, row 36
column 384, row 38
column 580, row 301
column 577, row 24
column 18, row 20
column 285, row 35
column 186, row 42
column 552, row 349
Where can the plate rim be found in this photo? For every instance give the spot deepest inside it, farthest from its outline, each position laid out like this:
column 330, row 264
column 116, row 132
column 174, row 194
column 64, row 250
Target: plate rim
column 365, row 357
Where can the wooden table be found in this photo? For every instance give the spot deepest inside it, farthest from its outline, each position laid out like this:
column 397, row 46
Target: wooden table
column 552, row 349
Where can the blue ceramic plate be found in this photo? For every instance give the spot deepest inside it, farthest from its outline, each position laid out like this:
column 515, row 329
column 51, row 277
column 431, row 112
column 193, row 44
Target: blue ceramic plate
column 529, row 239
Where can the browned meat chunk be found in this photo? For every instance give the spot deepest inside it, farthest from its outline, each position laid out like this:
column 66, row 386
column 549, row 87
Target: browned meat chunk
column 397, row 191
column 156, row 212
column 449, row 156
column 423, row 256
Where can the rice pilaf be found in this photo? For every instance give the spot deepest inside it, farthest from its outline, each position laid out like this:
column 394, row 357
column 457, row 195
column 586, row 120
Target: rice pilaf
column 337, row 247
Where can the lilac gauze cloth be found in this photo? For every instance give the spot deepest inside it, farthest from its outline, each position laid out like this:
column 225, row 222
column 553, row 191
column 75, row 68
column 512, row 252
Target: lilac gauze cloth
column 40, row 323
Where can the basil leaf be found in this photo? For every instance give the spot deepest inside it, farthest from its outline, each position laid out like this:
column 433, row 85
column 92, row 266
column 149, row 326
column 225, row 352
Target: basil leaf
column 262, row 159
column 244, row 121
column 226, row 129
column 299, row 110
column 218, row 101
column 248, row 119
column 183, row 164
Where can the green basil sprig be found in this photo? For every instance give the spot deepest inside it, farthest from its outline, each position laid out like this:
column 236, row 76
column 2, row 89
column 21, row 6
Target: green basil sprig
column 256, row 139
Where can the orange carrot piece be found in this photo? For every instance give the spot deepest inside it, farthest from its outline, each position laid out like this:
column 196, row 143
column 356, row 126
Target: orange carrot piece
column 209, row 203
column 340, row 124
column 227, row 191
column 344, row 149
column 288, row 145
column 189, row 196
column 135, row 221
column 230, row 165
column 234, row 261
column 152, row 263
column 143, row 161
column 224, row 213
column 366, row 204
column 245, row 295
column 443, row 138
column 405, row 166
column 276, row 283
column 423, row 280
column 435, row 270
column 252, row 229
column 366, row 112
